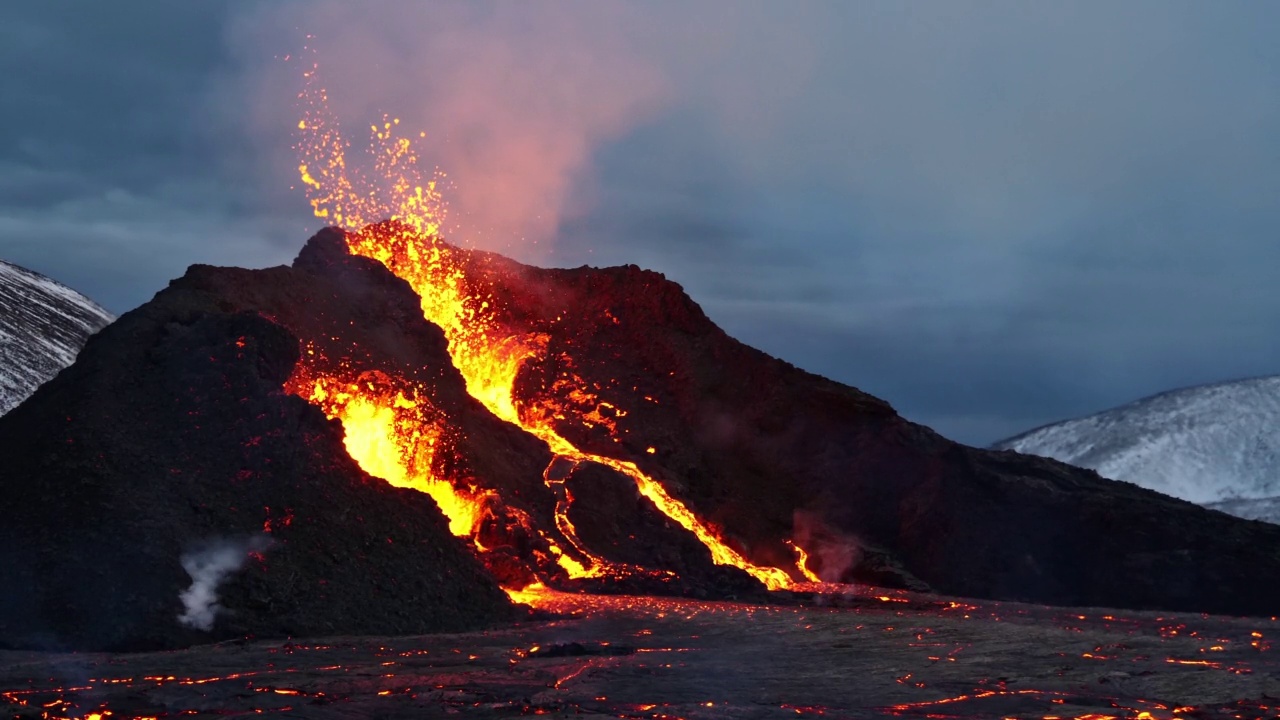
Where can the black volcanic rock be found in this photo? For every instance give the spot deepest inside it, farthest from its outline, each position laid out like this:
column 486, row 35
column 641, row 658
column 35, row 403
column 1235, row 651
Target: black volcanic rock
column 171, row 433
column 769, row 452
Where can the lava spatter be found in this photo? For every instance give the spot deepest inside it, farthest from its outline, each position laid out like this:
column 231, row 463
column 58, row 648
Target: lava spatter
column 393, row 213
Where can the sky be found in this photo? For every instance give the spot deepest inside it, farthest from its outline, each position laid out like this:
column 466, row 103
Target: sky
column 993, row 215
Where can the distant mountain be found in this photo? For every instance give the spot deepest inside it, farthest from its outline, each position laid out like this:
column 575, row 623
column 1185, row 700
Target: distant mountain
column 43, row 325
column 1217, row 445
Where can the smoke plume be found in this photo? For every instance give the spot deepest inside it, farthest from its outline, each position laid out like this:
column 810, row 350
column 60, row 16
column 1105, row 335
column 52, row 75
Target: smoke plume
column 208, row 567
column 513, row 98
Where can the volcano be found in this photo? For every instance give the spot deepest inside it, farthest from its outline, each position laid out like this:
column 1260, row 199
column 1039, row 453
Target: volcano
column 383, row 481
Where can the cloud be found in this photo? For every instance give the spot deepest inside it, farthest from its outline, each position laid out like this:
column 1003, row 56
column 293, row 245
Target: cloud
column 120, row 248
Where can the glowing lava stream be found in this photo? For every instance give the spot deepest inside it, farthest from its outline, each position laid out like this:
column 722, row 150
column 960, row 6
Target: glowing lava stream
column 390, row 436
column 803, row 563
column 488, row 358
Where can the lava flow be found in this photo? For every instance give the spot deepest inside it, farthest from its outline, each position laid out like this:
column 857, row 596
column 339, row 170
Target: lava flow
column 396, row 219
column 393, row 434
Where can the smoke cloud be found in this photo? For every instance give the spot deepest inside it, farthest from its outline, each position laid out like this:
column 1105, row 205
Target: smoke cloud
column 514, row 98
column 208, row 567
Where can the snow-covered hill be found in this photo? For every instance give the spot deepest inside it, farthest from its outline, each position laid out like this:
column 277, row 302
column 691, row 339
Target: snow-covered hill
column 43, row 325
column 1218, row 445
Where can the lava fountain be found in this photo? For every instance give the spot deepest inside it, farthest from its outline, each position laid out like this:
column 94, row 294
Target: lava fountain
column 394, row 215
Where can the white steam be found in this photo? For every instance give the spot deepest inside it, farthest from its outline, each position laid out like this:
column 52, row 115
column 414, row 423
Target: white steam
column 208, row 567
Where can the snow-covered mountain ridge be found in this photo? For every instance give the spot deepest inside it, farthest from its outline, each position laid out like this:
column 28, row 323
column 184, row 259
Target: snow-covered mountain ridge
column 1208, row 444
column 43, row 325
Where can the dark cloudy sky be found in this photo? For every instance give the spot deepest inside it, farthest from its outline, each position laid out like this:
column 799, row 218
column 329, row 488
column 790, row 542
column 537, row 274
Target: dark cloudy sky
column 991, row 214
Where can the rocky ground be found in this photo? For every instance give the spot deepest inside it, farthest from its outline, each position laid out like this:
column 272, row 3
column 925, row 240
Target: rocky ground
column 837, row 655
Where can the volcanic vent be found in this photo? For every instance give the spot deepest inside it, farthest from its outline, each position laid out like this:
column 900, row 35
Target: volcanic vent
column 409, row 419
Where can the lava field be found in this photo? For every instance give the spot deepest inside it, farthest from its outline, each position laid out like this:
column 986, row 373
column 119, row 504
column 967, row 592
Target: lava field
column 859, row 654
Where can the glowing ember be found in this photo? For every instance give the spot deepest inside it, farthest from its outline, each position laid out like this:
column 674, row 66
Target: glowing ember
column 385, row 435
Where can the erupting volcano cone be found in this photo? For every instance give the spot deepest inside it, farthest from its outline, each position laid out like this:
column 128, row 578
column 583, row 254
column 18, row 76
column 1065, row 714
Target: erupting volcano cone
column 493, row 423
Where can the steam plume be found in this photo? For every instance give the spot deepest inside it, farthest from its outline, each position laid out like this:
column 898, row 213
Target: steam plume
column 208, row 567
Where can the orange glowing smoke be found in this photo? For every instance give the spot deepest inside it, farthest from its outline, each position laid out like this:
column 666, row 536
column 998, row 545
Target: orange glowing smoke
column 381, row 431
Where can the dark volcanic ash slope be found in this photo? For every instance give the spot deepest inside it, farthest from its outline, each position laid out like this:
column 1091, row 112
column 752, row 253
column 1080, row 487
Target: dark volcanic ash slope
column 43, row 324
column 770, row 452
column 171, row 433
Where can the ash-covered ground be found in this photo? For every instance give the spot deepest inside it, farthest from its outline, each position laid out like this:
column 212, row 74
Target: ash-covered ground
column 847, row 654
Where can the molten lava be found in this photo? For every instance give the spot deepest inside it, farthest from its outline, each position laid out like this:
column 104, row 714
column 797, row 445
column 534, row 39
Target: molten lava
column 392, row 435
column 391, row 432
column 803, row 564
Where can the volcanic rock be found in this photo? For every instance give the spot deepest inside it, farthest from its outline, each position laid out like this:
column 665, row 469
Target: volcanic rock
column 755, row 444
column 186, row 426
column 170, row 436
column 43, row 324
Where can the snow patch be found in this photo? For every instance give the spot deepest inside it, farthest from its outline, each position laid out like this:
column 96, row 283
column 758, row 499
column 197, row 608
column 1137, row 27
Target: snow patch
column 43, row 325
column 1208, row 445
